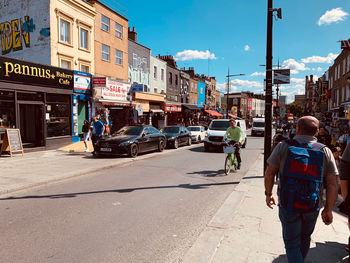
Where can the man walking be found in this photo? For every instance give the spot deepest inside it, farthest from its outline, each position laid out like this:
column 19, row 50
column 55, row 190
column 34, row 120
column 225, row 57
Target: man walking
column 302, row 165
column 98, row 129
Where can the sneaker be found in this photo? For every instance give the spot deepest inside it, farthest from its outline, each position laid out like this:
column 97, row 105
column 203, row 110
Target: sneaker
column 238, row 166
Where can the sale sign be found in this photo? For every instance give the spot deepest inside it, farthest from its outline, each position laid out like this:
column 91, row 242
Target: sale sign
column 115, row 90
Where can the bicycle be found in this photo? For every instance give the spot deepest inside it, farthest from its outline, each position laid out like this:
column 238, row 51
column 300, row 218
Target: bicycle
column 231, row 158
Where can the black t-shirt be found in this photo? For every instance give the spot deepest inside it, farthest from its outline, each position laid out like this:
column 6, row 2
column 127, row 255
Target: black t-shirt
column 86, row 127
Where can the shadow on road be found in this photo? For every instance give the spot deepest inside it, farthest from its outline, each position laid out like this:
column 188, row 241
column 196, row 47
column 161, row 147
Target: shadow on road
column 207, row 173
column 127, row 190
column 329, row 252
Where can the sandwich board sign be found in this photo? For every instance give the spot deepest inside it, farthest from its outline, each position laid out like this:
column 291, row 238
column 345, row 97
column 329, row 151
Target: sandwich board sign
column 12, row 142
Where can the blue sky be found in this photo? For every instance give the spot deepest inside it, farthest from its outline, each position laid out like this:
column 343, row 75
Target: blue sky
column 232, row 34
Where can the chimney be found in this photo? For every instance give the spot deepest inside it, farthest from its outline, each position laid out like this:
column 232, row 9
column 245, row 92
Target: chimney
column 132, row 35
column 311, row 78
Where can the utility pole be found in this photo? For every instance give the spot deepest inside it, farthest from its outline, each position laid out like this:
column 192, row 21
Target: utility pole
column 228, row 88
column 268, row 94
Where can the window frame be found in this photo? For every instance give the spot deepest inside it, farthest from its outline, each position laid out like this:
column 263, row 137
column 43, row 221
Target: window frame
column 120, row 58
column 134, row 60
column 155, row 72
column 109, row 53
column 69, row 23
column 117, row 31
column 162, row 74
column 87, row 38
column 104, row 24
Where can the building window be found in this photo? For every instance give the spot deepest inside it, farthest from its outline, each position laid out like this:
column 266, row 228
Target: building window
column 144, row 62
column 66, row 64
column 162, row 74
column 59, row 111
column 118, row 30
column 134, row 60
column 155, row 72
column 105, row 52
column 344, row 66
column 64, row 31
column 176, row 79
column 118, row 57
column 105, row 23
column 85, row 68
column 83, row 39
column 170, row 78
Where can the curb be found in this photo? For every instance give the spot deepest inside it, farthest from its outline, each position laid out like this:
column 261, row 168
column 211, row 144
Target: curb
column 71, row 175
column 208, row 242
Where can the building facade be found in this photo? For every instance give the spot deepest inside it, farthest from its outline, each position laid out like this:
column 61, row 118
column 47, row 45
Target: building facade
column 157, row 76
column 173, row 79
column 51, row 32
column 111, row 43
column 184, row 87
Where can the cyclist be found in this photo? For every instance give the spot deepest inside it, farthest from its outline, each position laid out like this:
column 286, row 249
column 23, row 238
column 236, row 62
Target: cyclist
column 236, row 135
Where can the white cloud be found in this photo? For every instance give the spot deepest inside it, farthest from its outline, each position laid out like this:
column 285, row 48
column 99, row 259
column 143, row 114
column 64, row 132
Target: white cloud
column 318, row 59
column 246, row 48
column 239, row 85
column 294, row 66
column 194, row 54
column 258, row 74
column 332, row 16
column 291, row 91
column 297, row 81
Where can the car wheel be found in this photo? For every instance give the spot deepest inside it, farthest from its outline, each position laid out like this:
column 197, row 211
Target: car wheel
column 189, row 141
column 161, row 145
column 134, row 150
column 176, row 144
column 206, row 147
column 245, row 143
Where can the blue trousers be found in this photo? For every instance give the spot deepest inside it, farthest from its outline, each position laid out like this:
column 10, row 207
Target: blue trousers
column 297, row 229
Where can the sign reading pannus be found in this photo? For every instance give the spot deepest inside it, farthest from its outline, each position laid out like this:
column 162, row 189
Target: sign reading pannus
column 19, row 71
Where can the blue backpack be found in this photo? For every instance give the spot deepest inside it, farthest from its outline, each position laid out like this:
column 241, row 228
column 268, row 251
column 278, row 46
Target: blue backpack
column 301, row 181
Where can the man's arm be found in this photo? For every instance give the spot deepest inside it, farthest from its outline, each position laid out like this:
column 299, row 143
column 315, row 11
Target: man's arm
column 269, row 181
column 331, row 197
column 344, row 188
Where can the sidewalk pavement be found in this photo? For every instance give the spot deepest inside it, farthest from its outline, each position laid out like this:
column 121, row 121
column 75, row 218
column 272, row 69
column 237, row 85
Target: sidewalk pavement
column 245, row 230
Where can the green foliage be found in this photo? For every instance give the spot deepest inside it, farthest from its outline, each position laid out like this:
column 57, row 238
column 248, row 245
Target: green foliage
column 296, row 109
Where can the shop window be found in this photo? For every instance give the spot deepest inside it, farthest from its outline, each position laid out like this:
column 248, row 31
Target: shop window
column 7, row 109
column 58, row 115
column 118, row 30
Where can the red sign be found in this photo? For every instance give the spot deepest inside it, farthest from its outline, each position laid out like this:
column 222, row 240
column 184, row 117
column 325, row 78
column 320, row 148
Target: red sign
column 250, row 104
column 99, row 81
column 172, row 108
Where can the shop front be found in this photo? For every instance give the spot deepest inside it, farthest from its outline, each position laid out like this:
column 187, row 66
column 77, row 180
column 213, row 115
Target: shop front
column 173, row 113
column 193, row 115
column 37, row 100
column 150, row 109
column 81, row 107
column 112, row 104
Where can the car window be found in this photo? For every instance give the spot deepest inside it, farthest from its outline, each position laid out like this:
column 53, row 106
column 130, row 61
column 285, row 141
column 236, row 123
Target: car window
column 219, row 125
column 147, row 131
column 258, row 124
column 153, row 130
column 130, row 130
column 202, row 129
column 194, row 128
column 171, row 129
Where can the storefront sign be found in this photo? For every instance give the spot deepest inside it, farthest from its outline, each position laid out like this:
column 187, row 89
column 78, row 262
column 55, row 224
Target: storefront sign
column 137, row 87
column 82, row 81
column 115, row 90
column 281, row 76
column 99, row 81
column 172, row 108
column 18, row 71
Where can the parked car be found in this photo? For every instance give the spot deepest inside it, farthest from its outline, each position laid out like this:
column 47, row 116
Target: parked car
column 131, row 140
column 217, row 130
column 197, row 133
column 176, row 136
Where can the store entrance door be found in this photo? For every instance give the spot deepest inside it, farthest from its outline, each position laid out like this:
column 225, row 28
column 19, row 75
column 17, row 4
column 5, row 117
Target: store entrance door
column 31, row 124
column 82, row 115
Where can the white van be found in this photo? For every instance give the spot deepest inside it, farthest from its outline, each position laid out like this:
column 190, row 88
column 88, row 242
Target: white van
column 258, row 127
column 216, row 131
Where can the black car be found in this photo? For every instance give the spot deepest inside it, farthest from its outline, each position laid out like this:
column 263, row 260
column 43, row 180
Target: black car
column 131, row 140
column 176, row 136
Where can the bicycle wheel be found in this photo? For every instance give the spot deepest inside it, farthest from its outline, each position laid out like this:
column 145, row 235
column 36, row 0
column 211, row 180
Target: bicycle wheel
column 227, row 164
column 234, row 162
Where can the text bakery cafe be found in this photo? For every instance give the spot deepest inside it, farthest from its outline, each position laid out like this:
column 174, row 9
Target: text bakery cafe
column 111, row 100
column 36, row 99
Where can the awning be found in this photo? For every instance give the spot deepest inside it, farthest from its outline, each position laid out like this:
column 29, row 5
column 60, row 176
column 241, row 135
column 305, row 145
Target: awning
column 116, row 103
column 190, row 106
column 213, row 113
column 156, row 111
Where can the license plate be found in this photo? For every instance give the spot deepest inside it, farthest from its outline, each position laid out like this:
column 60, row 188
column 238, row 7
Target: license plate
column 105, row 149
column 216, row 143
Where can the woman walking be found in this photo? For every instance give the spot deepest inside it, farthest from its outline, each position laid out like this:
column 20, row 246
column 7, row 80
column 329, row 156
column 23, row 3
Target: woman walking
column 87, row 133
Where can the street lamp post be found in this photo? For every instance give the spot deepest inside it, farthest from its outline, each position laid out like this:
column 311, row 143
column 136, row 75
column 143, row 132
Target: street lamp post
column 228, row 87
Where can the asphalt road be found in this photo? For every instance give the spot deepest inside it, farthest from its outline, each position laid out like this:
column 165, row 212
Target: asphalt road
column 150, row 210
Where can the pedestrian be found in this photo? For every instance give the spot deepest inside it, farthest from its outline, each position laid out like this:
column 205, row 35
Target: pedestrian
column 324, row 137
column 292, row 132
column 299, row 199
column 87, row 132
column 97, row 131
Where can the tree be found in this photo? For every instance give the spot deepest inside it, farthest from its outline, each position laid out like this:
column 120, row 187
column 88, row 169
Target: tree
column 296, row 109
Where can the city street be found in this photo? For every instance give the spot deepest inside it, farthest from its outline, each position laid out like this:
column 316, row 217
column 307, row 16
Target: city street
column 149, row 210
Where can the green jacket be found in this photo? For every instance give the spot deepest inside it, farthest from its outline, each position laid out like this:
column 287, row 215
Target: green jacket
column 235, row 134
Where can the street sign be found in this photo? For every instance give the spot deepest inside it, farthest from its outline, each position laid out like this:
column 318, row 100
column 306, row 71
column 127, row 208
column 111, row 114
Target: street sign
column 281, row 76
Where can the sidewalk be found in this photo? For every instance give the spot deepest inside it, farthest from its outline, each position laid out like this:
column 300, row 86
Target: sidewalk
column 246, row 230
column 40, row 168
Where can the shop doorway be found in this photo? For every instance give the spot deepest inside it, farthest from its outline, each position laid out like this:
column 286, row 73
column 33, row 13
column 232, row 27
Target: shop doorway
column 82, row 115
column 31, row 124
